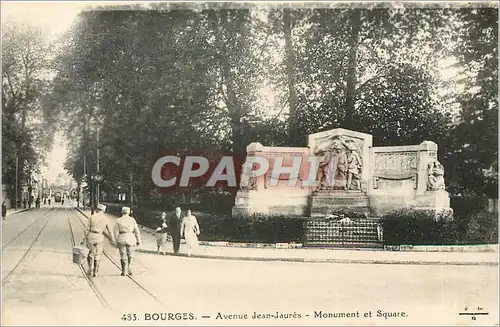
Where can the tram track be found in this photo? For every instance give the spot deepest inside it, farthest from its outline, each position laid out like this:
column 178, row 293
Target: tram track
column 91, row 283
column 117, row 265
column 25, row 229
column 4, row 280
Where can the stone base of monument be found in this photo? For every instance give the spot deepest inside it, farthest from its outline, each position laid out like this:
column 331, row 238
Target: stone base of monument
column 435, row 199
column 252, row 203
column 323, row 203
column 435, row 202
column 246, row 210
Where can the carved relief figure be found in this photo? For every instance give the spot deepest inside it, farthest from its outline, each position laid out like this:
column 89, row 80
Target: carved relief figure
column 435, row 171
column 333, row 172
column 251, row 183
column 354, row 170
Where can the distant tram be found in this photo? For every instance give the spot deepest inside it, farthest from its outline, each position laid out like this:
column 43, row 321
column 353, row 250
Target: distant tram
column 58, row 197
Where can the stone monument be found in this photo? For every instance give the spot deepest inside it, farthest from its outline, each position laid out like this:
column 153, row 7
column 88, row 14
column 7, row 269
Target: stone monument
column 340, row 170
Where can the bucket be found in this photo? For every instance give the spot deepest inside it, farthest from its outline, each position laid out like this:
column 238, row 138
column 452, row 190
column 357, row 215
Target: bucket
column 80, row 254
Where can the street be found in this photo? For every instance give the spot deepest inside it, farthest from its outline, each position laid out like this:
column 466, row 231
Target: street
column 41, row 285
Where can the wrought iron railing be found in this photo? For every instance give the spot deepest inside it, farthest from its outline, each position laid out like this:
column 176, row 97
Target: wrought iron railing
column 343, row 231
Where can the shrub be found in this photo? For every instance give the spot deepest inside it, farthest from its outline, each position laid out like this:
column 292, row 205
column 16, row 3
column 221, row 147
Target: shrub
column 418, row 227
column 223, row 227
column 255, row 228
column 467, row 205
column 482, row 229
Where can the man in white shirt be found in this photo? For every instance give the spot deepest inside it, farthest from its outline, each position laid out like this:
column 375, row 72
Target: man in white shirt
column 94, row 238
column 127, row 236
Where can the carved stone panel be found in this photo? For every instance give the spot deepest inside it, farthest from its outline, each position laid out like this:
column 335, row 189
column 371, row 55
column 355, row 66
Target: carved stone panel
column 395, row 162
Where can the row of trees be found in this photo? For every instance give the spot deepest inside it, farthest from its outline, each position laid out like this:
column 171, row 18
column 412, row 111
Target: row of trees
column 174, row 80
column 27, row 124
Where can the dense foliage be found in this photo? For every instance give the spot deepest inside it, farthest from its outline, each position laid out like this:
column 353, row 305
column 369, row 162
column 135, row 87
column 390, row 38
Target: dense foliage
column 209, row 79
column 188, row 81
column 408, row 227
column 27, row 122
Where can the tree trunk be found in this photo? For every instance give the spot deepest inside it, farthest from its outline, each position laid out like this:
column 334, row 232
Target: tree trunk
column 232, row 102
column 290, row 63
column 233, row 109
column 355, row 26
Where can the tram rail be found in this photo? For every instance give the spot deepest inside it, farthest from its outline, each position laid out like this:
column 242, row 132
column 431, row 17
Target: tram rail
column 5, row 279
column 115, row 263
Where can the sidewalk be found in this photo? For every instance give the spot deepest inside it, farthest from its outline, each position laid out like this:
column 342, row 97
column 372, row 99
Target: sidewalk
column 148, row 245
column 13, row 211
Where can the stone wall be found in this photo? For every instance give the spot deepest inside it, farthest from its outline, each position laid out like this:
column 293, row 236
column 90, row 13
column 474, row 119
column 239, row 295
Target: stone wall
column 400, row 178
column 275, row 195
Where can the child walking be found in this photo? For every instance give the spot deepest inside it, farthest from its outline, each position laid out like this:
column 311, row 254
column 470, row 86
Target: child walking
column 161, row 234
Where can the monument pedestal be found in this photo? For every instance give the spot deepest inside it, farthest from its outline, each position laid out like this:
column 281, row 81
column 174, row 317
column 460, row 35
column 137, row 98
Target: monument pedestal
column 323, row 203
column 438, row 202
column 435, row 199
column 261, row 202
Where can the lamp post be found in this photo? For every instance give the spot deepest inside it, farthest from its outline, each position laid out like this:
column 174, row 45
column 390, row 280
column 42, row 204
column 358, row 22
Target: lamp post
column 17, row 177
column 97, row 179
column 131, row 192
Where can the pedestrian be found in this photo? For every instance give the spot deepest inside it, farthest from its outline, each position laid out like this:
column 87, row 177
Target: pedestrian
column 38, row 202
column 190, row 230
column 127, row 236
column 94, row 238
column 161, row 234
column 62, row 201
column 4, row 210
column 175, row 229
column 49, row 201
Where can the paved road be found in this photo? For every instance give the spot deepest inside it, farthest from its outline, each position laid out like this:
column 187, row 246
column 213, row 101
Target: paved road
column 39, row 278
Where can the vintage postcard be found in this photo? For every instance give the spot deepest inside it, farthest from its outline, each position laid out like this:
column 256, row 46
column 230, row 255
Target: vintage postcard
column 250, row 163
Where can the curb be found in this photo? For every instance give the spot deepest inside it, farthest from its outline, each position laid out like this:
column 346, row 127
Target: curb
column 325, row 260
column 16, row 212
column 310, row 260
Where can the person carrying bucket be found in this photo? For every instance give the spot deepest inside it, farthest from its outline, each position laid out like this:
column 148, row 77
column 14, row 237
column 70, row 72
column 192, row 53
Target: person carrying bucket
column 127, row 236
column 94, row 238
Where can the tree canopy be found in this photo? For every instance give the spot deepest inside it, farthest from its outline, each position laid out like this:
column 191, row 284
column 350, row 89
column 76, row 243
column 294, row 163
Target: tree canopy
column 208, row 80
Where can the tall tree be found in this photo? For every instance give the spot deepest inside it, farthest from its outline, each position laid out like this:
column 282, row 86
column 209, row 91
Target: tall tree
column 475, row 159
column 25, row 79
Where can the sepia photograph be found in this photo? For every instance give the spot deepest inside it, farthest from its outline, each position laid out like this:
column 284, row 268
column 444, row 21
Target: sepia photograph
column 208, row 163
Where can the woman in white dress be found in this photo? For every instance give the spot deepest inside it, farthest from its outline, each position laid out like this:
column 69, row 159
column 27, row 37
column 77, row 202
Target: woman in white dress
column 190, row 230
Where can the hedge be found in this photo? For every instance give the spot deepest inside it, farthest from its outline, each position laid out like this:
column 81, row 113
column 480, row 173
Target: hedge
column 255, row 228
column 417, row 228
column 421, row 228
column 400, row 227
